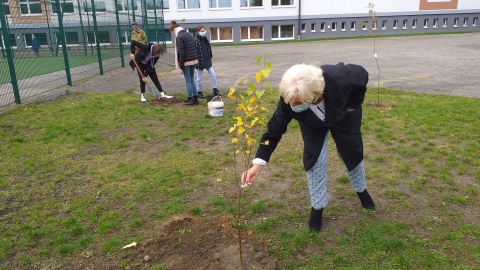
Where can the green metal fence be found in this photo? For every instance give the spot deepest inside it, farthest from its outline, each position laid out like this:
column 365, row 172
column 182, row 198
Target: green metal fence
column 78, row 39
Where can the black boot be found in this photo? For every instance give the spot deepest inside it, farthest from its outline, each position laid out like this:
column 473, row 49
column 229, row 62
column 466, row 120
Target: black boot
column 200, row 94
column 315, row 222
column 188, row 102
column 366, row 200
column 216, row 92
column 195, row 100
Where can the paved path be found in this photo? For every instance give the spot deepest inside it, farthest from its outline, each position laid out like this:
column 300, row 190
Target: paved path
column 444, row 64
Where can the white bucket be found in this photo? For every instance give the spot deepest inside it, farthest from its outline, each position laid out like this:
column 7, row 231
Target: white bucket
column 215, row 108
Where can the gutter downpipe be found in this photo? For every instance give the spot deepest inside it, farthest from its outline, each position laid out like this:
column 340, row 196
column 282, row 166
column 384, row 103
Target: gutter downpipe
column 299, row 20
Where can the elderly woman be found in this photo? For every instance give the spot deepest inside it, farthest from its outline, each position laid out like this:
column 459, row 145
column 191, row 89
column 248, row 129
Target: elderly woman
column 321, row 99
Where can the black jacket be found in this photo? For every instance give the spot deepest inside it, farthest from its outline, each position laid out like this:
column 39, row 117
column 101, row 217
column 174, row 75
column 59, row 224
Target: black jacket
column 185, row 48
column 345, row 87
column 140, row 56
column 204, row 52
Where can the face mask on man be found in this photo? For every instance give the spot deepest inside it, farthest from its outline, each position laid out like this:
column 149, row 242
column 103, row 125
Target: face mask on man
column 202, row 33
column 300, row 108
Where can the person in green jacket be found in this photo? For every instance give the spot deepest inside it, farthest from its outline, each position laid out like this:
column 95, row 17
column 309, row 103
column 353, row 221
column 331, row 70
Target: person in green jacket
column 138, row 35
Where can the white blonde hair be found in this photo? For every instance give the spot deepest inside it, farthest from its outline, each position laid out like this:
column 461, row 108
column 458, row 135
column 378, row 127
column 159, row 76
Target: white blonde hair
column 302, row 83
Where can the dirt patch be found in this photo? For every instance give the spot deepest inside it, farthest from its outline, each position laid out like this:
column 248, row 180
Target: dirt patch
column 381, row 106
column 186, row 242
column 166, row 101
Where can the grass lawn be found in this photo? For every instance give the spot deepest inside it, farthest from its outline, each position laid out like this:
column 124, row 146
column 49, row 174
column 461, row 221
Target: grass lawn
column 86, row 174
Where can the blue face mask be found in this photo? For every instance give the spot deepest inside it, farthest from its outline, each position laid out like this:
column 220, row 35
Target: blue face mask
column 202, row 33
column 300, row 108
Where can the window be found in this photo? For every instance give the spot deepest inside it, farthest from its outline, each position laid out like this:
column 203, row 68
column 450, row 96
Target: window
column 322, row 27
column 384, row 25
column 344, row 26
column 221, row 34
column 353, row 26
column 365, row 25
column 251, row 33
column 435, row 23
column 414, row 24
column 251, row 3
column 465, row 22
column 6, row 9
column 103, row 36
column 282, row 31
column 425, row 23
column 313, row 27
column 304, row 26
column 283, row 3
column 152, row 6
column 455, row 22
column 445, row 22
column 125, row 5
column 41, row 37
column 71, row 38
column 334, row 26
column 188, row 4
column 66, row 6
column 405, row 24
column 30, row 7
column 395, row 24
column 220, row 3
column 475, row 21
column 99, row 6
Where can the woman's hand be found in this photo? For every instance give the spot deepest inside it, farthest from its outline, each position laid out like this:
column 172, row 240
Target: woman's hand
column 249, row 176
column 350, row 110
column 181, row 71
column 144, row 79
column 132, row 56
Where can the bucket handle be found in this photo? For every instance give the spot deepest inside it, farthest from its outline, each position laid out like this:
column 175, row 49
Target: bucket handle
column 216, row 97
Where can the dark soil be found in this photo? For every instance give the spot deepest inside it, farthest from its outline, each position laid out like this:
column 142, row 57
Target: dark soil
column 186, row 242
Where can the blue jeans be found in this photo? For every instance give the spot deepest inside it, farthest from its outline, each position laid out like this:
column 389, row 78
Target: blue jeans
column 189, row 74
column 213, row 77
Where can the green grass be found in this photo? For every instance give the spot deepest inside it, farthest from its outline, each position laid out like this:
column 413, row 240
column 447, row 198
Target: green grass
column 27, row 67
column 89, row 173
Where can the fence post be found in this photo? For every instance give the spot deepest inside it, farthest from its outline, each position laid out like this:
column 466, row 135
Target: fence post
column 120, row 43
column 8, row 49
column 97, row 38
column 61, row 36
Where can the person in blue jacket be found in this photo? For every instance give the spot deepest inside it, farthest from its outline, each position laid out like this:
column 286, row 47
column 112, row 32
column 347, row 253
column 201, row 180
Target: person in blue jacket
column 35, row 46
column 322, row 99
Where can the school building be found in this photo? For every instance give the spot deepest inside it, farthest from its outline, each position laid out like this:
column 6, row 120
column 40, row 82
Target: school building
column 232, row 21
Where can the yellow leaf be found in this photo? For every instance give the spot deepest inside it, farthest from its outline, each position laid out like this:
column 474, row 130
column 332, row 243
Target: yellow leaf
column 249, row 108
column 234, row 140
column 241, row 107
column 267, row 142
column 219, row 179
column 240, row 130
column 239, row 121
column 264, row 109
column 251, row 141
column 258, row 60
column 247, row 152
column 252, row 99
column 254, row 121
column 238, row 151
column 258, row 76
column 265, row 72
column 232, row 90
column 231, row 129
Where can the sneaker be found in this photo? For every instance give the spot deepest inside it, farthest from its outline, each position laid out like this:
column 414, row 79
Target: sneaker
column 216, row 92
column 143, row 98
column 200, row 94
column 162, row 95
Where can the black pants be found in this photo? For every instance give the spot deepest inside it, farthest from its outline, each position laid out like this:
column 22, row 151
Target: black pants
column 153, row 76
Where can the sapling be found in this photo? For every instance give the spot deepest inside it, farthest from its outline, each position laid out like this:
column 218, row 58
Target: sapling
column 373, row 28
column 249, row 114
